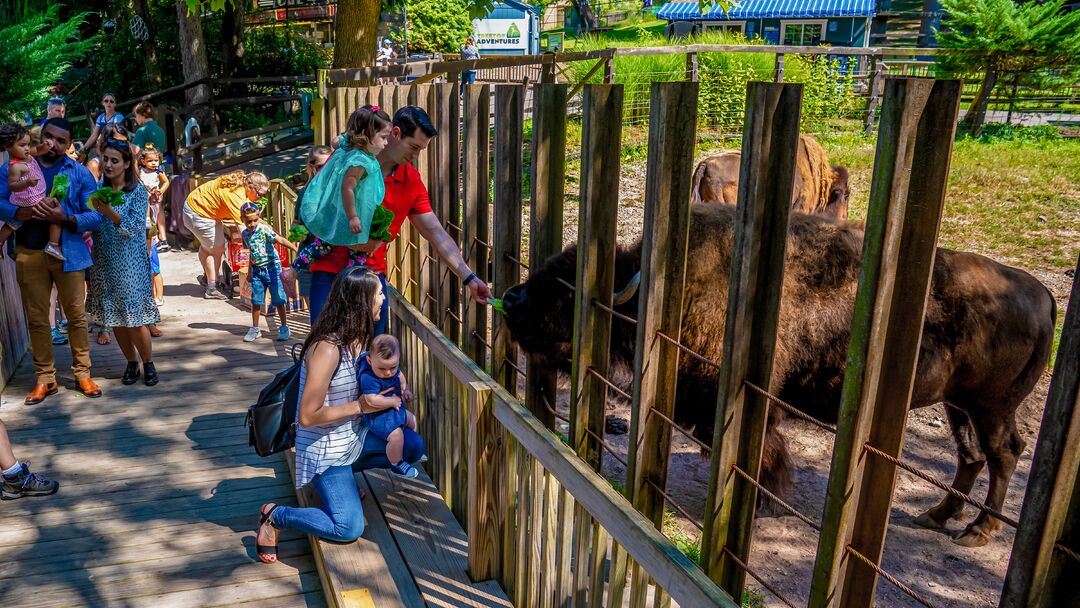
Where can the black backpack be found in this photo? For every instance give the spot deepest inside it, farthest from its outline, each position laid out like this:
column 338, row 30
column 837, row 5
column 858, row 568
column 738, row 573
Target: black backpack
column 271, row 420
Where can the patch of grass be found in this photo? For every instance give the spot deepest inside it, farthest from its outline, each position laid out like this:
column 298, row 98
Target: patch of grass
column 753, row 599
column 689, row 545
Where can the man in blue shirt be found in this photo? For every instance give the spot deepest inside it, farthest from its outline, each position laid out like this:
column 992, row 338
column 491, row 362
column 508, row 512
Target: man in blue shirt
column 38, row 272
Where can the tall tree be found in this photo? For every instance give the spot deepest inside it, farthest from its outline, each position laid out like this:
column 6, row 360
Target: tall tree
column 195, row 64
column 147, row 43
column 37, row 53
column 232, row 40
column 1000, row 37
column 356, row 27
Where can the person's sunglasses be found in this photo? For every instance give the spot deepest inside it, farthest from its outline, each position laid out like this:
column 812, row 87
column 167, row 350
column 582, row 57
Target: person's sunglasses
column 104, row 101
column 119, row 144
column 316, row 166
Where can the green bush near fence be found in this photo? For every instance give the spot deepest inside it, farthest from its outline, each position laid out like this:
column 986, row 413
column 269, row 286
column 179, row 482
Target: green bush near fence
column 827, row 97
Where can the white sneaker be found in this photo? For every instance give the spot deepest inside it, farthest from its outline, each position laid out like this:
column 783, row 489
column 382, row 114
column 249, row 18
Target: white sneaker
column 254, row 333
column 283, row 333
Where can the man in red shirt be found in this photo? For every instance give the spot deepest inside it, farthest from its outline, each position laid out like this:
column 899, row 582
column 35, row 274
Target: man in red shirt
column 406, row 197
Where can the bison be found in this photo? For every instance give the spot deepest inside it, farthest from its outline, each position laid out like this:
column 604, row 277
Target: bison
column 819, row 187
column 986, row 340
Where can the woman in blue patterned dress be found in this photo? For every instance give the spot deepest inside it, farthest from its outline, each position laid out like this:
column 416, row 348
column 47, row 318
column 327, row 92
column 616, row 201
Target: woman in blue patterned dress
column 120, row 291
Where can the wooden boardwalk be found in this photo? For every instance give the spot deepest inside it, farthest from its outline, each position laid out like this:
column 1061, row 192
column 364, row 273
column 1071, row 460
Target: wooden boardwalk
column 159, row 491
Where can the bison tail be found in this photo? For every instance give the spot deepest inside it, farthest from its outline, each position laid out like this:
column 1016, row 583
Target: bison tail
column 695, row 190
column 775, row 462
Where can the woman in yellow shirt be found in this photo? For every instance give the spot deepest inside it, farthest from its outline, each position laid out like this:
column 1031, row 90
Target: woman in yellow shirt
column 205, row 210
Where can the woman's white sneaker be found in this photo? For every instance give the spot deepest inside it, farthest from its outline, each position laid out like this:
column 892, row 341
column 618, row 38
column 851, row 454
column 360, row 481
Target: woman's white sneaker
column 253, row 333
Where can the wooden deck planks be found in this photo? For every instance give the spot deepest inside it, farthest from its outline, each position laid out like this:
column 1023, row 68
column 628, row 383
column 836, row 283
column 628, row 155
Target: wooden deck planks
column 436, row 546
column 372, row 563
column 159, row 489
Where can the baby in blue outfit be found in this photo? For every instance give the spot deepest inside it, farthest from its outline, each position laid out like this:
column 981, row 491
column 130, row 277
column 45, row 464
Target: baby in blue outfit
column 384, row 385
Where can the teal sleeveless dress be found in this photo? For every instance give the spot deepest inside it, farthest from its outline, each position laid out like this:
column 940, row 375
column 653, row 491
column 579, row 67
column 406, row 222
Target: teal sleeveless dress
column 322, row 211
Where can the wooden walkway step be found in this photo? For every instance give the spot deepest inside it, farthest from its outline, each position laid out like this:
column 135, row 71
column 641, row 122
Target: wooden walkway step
column 413, row 553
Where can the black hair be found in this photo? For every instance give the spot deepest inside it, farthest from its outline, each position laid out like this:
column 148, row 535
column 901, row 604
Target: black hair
column 58, row 122
column 131, row 176
column 411, row 118
column 11, row 133
column 347, row 319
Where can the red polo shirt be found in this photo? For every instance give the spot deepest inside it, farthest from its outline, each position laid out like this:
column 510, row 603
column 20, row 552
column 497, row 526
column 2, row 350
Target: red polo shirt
column 406, row 196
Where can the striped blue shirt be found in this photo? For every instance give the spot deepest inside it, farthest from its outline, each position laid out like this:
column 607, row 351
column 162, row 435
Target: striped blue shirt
column 337, row 444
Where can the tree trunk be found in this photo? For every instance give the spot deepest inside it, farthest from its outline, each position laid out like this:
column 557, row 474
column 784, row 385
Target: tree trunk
column 232, row 40
column 195, row 67
column 149, row 49
column 976, row 114
column 356, row 33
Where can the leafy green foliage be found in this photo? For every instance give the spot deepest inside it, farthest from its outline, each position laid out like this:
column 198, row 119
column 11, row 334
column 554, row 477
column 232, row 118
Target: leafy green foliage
column 36, row 54
column 60, row 186
column 722, row 79
column 1027, row 36
column 438, row 25
column 106, row 196
column 380, row 224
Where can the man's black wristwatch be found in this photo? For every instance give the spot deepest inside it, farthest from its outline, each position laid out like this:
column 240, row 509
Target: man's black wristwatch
column 468, row 279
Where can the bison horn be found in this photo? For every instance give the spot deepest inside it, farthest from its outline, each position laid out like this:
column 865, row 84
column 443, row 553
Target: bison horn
column 625, row 294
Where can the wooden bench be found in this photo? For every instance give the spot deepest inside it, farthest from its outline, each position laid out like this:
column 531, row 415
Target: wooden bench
column 413, row 552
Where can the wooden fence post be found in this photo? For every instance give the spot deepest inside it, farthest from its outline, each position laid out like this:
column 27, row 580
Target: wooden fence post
column 778, row 71
column 509, row 143
column 766, row 178
column 546, row 220
column 477, row 236
column 449, row 202
column 874, row 84
column 1041, row 574
column 601, row 140
column 609, row 72
column 918, row 123
column 601, row 144
column 692, row 67
column 487, row 476
column 672, row 134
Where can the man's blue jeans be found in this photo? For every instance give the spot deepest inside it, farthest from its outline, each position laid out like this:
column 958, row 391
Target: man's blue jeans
column 341, row 518
column 320, row 290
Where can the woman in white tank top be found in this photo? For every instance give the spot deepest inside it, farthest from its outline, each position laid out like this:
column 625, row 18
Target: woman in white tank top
column 328, row 441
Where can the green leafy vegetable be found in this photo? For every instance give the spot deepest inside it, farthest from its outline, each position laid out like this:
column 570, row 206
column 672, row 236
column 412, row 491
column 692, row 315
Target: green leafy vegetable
column 297, row 233
column 107, row 196
column 60, row 187
column 380, row 224
column 498, row 305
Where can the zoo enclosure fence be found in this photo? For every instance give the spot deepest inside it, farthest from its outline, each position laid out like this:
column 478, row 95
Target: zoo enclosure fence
column 544, row 534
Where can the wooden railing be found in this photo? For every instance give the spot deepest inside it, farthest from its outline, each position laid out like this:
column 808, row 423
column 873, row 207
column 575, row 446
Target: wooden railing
column 13, row 338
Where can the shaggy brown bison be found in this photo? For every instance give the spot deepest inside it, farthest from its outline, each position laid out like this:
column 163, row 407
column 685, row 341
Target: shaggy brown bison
column 986, row 340
column 819, row 187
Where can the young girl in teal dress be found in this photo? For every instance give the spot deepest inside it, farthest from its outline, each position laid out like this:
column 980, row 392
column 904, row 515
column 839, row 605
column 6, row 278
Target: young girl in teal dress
column 341, row 199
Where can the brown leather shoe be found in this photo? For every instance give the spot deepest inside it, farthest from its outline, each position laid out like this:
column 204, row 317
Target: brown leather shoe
column 89, row 388
column 40, row 392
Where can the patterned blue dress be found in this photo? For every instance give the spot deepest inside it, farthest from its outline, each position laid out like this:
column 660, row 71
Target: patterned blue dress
column 120, row 289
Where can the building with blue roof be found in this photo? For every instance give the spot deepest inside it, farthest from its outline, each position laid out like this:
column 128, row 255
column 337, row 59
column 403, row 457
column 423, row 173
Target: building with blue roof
column 511, row 28
column 786, row 22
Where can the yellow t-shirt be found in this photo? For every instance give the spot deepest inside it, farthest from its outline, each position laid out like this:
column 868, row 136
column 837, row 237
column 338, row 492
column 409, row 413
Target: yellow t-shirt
column 215, row 202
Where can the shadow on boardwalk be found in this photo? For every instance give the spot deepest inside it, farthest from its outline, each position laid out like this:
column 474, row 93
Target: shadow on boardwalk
column 159, row 489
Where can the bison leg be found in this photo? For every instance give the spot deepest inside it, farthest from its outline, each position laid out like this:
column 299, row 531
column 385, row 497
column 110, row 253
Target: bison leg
column 1003, row 446
column 969, row 463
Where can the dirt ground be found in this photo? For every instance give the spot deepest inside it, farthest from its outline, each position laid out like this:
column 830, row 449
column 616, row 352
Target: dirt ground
column 783, row 547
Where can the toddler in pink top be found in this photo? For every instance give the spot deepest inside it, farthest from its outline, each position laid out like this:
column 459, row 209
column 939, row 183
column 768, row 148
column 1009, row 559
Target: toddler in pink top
column 25, row 181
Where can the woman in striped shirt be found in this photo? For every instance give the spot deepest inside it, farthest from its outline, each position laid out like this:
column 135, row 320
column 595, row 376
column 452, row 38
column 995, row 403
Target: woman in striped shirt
column 330, row 437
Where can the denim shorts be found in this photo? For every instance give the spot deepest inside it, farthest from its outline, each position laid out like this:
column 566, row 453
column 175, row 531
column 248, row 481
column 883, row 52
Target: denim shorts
column 267, row 279
column 385, row 422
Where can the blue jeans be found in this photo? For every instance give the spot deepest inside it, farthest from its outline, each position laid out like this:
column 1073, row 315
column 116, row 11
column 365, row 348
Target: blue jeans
column 321, row 282
column 341, row 518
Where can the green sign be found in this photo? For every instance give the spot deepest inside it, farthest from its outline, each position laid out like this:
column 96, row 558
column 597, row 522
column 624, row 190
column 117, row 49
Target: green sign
column 513, row 31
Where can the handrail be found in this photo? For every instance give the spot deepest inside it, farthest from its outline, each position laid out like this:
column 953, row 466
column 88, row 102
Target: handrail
column 231, row 137
column 665, row 563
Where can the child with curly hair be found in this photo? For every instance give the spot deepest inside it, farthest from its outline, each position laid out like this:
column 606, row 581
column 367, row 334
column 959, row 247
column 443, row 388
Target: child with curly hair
column 26, row 182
